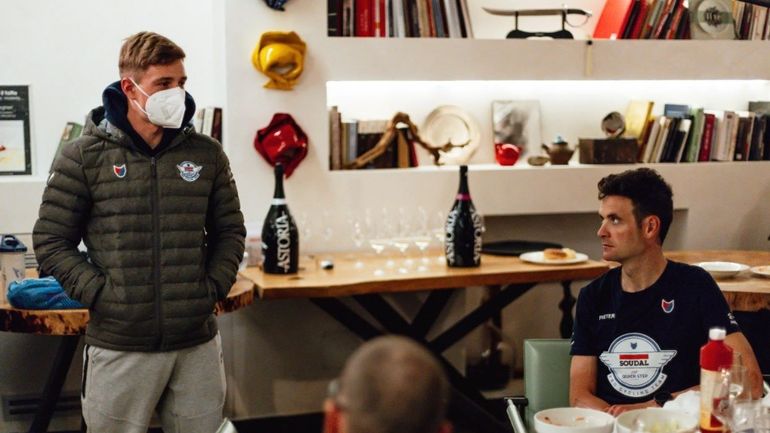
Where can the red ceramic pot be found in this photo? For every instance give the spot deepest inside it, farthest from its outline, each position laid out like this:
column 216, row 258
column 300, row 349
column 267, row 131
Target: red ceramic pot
column 506, row 153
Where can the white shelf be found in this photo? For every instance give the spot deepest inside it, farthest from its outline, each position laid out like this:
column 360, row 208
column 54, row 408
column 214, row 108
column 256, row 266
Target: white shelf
column 495, row 59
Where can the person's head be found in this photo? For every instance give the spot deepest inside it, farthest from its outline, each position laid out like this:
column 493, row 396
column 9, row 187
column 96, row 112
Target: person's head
column 636, row 210
column 150, row 63
column 389, row 385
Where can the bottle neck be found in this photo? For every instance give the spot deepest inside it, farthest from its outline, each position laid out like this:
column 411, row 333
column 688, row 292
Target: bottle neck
column 279, row 194
column 463, row 194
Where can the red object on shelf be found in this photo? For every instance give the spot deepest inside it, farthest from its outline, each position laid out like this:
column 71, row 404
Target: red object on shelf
column 282, row 141
column 506, row 153
column 613, row 19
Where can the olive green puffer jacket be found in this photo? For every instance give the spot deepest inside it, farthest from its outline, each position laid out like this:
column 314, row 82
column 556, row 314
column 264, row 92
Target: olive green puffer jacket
column 164, row 234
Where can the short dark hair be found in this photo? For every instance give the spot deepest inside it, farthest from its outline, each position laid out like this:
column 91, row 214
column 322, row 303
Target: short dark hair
column 647, row 190
column 145, row 49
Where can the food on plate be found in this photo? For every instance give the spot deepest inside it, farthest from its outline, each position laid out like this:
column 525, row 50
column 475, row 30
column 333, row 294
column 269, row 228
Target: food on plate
column 559, row 254
column 576, row 421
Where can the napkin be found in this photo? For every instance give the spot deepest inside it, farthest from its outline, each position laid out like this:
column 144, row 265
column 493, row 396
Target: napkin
column 688, row 401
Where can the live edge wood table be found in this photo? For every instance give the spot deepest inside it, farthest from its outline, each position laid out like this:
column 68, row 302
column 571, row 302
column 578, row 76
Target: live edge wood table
column 70, row 325
column 509, row 276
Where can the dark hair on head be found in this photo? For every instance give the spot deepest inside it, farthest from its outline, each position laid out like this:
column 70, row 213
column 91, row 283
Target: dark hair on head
column 647, row 190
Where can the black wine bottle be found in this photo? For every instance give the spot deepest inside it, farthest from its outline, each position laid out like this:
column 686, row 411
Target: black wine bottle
column 280, row 238
column 462, row 244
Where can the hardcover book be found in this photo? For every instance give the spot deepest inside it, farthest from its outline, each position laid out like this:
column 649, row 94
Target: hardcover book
column 613, row 19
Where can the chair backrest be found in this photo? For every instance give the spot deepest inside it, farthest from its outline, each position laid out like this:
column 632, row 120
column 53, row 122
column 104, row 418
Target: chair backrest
column 546, row 374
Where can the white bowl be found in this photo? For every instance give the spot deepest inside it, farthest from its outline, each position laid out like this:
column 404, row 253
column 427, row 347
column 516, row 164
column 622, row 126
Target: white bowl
column 657, row 420
column 722, row 269
column 573, row 419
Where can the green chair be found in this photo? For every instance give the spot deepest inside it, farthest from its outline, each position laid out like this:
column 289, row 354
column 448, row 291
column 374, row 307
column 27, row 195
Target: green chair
column 546, row 380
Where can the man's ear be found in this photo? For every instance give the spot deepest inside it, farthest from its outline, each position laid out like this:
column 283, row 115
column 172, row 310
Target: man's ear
column 446, row 427
column 651, row 227
column 128, row 87
column 332, row 417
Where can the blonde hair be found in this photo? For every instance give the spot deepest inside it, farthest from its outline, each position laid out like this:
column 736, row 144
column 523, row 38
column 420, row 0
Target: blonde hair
column 144, row 49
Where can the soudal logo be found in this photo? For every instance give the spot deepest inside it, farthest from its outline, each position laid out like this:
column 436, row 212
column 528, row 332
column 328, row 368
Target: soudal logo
column 119, row 170
column 636, row 364
column 667, row 306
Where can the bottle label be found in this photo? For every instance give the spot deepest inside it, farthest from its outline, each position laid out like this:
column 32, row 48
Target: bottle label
column 478, row 228
column 279, row 201
column 283, row 241
column 449, row 244
column 708, row 382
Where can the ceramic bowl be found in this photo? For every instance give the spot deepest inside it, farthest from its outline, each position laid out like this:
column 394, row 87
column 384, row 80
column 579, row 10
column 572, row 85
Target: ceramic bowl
column 573, row 420
column 657, row 420
column 722, row 269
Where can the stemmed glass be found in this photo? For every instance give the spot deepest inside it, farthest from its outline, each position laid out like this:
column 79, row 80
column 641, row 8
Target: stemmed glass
column 439, row 233
column 357, row 236
column 422, row 237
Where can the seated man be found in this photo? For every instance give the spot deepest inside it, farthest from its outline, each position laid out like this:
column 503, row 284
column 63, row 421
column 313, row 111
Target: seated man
column 389, row 385
column 639, row 327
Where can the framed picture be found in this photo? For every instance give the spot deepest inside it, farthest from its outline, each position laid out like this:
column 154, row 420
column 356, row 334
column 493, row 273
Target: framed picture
column 518, row 123
column 15, row 153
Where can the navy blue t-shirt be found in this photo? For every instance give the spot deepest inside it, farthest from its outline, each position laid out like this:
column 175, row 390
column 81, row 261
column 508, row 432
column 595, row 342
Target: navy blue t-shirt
column 649, row 341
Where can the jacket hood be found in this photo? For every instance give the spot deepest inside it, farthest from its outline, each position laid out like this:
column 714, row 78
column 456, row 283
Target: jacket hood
column 110, row 121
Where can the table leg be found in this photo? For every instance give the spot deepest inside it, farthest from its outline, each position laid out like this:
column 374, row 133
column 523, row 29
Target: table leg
column 53, row 386
column 566, row 304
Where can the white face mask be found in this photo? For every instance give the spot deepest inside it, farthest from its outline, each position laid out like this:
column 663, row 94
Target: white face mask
column 164, row 108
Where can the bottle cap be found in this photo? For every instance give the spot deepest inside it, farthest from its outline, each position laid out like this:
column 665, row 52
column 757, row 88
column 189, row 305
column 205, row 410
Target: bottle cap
column 717, row 334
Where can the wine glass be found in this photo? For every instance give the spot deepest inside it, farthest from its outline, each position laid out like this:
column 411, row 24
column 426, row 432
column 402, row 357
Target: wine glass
column 357, row 235
column 720, row 397
column 439, row 233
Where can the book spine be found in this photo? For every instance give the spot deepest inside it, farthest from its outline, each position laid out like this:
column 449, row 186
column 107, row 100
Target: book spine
column 364, row 13
column 334, row 17
column 708, row 138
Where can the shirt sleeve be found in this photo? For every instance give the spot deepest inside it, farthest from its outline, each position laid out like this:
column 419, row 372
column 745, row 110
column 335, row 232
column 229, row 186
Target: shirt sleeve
column 714, row 308
column 583, row 340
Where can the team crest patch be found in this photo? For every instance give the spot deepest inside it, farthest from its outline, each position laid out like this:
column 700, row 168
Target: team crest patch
column 667, row 306
column 636, row 364
column 119, row 170
column 189, row 171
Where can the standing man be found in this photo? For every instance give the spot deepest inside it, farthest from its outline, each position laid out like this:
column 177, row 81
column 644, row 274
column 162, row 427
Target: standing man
column 389, row 385
column 156, row 205
column 639, row 327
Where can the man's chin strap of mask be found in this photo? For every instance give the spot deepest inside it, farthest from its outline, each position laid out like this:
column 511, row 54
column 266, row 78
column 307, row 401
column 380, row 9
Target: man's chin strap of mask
column 164, row 108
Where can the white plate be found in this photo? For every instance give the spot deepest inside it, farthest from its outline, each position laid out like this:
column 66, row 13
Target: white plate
column 449, row 123
column 722, row 269
column 537, row 257
column 762, row 271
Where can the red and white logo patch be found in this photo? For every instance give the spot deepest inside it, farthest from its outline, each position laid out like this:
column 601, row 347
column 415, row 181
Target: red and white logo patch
column 119, row 170
column 667, row 306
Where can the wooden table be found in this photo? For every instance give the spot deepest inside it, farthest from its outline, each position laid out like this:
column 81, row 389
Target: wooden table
column 745, row 291
column 508, row 277
column 70, row 325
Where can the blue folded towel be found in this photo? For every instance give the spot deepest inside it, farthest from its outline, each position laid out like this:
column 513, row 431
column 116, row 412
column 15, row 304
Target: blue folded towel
column 40, row 294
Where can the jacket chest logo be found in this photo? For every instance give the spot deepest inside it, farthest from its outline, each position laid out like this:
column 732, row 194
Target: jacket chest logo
column 189, row 171
column 119, row 170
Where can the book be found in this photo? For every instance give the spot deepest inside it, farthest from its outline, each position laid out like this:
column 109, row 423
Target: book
column 348, row 18
column 681, row 139
column 334, row 17
column 668, row 149
column 660, row 142
column 731, row 134
column 216, row 124
column 335, row 139
column 709, row 126
column 676, row 110
column 349, row 141
column 644, row 10
column 675, row 20
column 759, row 107
column 438, row 18
column 453, row 20
column 466, row 14
column 364, row 18
column 758, row 138
column 664, row 19
column 613, row 19
column 629, row 25
column 649, row 146
column 637, row 114
column 399, row 23
column 743, row 137
column 652, row 18
column 719, row 142
column 692, row 149
column 645, row 139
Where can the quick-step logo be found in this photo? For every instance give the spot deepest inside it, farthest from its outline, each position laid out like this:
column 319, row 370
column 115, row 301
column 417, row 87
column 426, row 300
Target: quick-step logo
column 189, row 171
column 636, row 364
column 119, row 170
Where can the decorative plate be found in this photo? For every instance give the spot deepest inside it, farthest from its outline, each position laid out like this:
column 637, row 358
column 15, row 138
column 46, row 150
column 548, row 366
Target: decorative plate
column 449, row 124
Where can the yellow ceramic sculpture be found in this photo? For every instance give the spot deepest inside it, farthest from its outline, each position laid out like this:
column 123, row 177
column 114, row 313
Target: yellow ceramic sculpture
column 280, row 56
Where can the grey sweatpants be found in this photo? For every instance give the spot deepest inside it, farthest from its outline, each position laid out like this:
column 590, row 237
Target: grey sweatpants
column 122, row 389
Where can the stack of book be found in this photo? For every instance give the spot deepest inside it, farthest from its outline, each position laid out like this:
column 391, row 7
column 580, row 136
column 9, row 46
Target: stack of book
column 751, row 20
column 399, row 18
column 208, row 121
column 643, row 19
column 352, row 138
column 684, row 134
